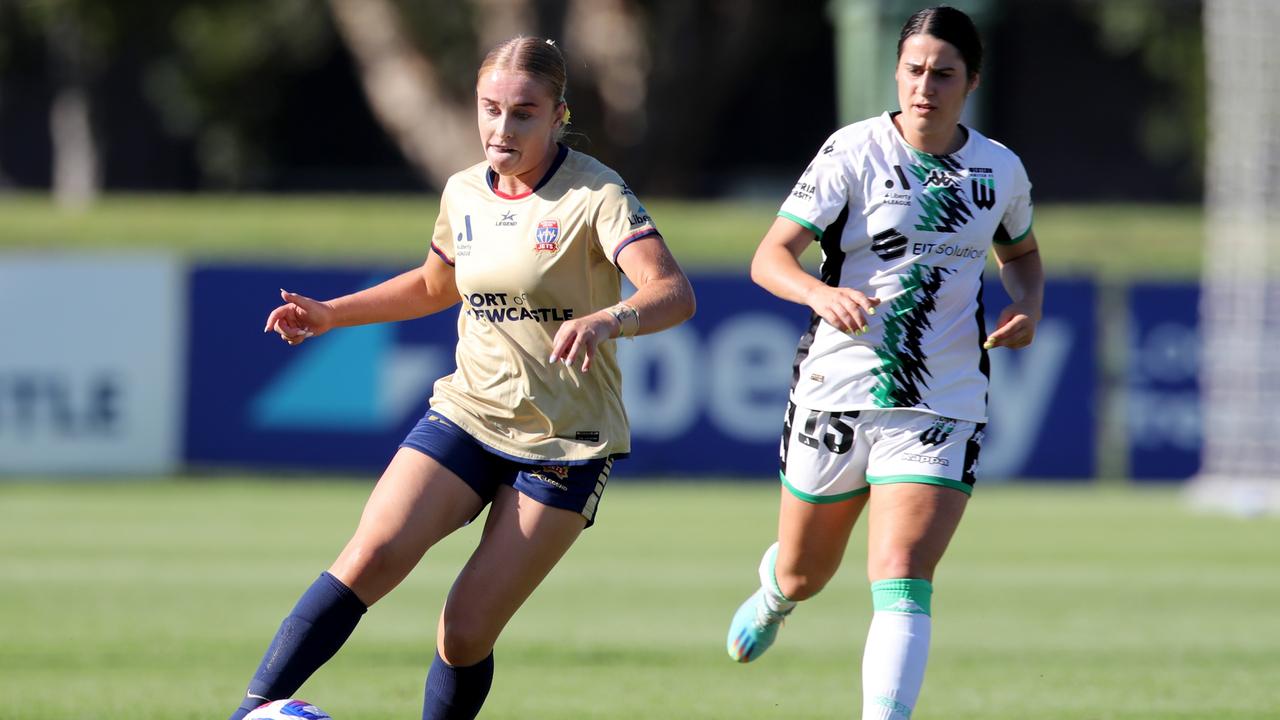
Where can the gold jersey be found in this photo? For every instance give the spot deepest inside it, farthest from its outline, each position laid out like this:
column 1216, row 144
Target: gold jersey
column 524, row 265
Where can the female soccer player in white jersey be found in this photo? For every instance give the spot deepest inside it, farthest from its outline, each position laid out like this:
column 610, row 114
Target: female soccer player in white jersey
column 888, row 395
column 531, row 242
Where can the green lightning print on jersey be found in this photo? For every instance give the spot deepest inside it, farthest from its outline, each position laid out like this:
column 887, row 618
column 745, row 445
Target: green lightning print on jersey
column 942, row 204
column 902, row 370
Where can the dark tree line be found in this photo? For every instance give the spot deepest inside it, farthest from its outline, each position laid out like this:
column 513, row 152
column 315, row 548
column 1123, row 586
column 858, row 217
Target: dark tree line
column 685, row 97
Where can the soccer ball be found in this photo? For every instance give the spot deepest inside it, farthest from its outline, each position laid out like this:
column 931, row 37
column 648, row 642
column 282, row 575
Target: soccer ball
column 288, row 710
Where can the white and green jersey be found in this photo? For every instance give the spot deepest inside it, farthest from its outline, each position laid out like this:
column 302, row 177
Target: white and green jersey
column 912, row 229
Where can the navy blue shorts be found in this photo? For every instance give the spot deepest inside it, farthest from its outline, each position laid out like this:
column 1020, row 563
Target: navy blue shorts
column 576, row 488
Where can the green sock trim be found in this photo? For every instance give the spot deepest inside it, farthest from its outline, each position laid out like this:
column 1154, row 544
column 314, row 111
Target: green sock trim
column 903, row 595
column 772, row 554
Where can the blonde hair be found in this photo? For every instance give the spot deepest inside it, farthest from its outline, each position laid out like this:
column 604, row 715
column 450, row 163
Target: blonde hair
column 537, row 57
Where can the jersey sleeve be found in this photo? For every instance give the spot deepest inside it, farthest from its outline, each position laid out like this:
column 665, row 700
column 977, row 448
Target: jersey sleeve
column 442, row 237
column 1016, row 221
column 822, row 191
column 620, row 219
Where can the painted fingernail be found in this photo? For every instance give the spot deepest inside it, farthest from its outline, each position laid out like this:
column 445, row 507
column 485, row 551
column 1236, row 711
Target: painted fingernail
column 871, row 311
column 988, row 345
column 551, row 359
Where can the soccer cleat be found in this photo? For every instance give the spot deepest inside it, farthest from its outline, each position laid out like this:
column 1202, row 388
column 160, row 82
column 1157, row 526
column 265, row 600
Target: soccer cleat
column 754, row 628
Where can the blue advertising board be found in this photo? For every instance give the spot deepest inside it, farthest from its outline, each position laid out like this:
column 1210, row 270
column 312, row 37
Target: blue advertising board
column 1043, row 416
column 1163, row 398
column 703, row 398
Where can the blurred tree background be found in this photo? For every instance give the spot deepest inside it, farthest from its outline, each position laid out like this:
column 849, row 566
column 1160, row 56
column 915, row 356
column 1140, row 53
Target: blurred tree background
column 699, row 98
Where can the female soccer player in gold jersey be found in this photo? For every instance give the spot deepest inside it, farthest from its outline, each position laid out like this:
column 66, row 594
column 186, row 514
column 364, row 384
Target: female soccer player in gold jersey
column 530, row 242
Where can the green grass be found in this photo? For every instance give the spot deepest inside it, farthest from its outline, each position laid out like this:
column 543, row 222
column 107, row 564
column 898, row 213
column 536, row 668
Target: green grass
column 1109, row 241
column 156, row 600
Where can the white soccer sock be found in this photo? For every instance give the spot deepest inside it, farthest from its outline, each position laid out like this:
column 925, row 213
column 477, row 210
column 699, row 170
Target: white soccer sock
column 773, row 597
column 897, row 648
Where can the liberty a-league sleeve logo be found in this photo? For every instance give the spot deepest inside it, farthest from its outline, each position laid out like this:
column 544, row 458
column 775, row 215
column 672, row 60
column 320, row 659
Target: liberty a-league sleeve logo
column 547, row 236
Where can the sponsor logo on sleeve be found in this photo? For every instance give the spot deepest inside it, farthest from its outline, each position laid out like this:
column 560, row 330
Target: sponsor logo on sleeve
column 804, row 190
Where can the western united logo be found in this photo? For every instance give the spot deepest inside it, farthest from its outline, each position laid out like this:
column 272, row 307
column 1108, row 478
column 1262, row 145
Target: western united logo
column 938, row 432
column 982, row 187
column 547, row 236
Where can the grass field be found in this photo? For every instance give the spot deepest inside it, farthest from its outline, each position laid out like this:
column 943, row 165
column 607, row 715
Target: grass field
column 155, row 600
column 1105, row 241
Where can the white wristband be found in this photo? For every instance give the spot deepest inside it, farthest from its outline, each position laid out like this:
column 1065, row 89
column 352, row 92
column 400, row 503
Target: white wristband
column 628, row 319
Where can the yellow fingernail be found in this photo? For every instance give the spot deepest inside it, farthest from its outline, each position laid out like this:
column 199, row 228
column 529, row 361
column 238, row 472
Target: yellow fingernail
column 988, row 345
column 871, row 311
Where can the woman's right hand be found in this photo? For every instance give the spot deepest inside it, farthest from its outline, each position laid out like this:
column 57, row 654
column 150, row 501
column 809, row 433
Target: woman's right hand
column 844, row 308
column 299, row 318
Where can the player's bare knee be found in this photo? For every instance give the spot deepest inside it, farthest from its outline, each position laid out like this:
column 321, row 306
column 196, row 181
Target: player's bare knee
column 464, row 640
column 370, row 569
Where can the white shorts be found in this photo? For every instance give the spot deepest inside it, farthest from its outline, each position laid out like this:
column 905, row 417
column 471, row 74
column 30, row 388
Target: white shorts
column 831, row 456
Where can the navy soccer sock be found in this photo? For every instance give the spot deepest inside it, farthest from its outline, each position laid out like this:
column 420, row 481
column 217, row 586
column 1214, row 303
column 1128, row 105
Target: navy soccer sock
column 456, row 693
column 319, row 624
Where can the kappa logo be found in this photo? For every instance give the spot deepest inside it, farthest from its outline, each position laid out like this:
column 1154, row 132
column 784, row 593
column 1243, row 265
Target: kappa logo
column 906, row 605
column 942, row 178
column 925, row 459
column 547, row 236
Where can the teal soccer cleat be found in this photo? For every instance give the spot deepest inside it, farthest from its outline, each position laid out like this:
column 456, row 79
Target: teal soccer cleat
column 754, row 628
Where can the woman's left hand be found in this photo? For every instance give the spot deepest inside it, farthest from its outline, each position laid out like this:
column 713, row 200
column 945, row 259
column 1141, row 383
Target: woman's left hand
column 583, row 336
column 1015, row 329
